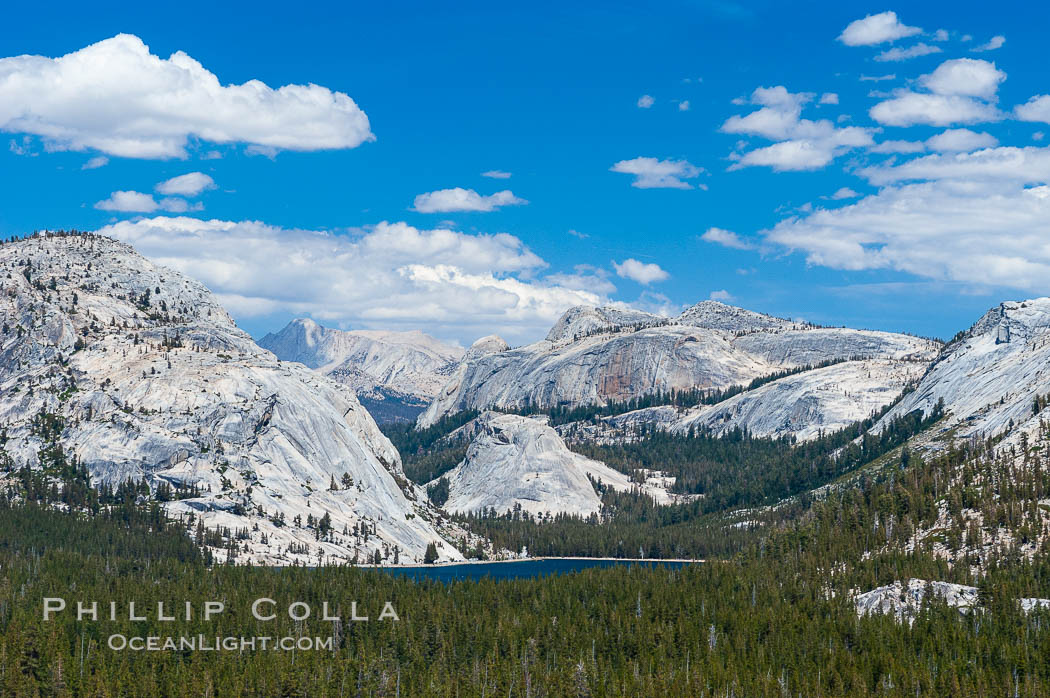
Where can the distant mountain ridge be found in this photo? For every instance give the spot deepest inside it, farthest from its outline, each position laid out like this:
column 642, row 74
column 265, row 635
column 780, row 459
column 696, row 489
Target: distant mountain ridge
column 386, row 370
column 592, row 355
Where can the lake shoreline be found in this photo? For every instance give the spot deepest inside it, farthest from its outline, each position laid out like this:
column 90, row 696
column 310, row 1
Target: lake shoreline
column 457, row 563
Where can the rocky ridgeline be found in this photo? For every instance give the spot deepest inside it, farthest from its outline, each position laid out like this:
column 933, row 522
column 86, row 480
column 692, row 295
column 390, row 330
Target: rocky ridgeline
column 992, row 376
column 593, row 355
column 408, row 367
column 139, row 373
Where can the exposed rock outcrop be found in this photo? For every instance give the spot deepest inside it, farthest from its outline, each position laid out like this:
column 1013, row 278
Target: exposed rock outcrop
column 802, row 405
column 148, row 378
column 990, row 376
column 597, row 354
column 516, row 462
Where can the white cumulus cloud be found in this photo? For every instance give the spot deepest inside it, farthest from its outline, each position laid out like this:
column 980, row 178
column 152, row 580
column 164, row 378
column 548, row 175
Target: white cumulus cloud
column 118, row 98
column 957, row 140
column 994, row 234
column 137, row 202
column 876, row 29
column 1029, row 165
column 652, row 173
column 969, row 77
column 909, row 108
column 645, row 101
column 496, row 174
column 460, row 199
column 1035, row 109
column 389, row 276
column 902, row 54
column 189, row 184
column 961, row 91
column 802, row 144
column 642, row 272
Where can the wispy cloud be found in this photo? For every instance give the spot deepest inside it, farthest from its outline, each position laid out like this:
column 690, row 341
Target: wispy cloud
column 459, row 199
column 992, row 44
column 652, row 173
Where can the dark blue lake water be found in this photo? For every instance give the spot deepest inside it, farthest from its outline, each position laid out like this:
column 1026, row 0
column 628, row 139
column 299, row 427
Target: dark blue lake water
column 517, row 569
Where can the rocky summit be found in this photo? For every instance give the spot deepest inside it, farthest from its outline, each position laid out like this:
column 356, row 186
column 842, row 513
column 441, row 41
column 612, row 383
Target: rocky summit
column 993, row 377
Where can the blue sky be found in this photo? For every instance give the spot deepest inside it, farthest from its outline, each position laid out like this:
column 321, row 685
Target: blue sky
column 296, row 207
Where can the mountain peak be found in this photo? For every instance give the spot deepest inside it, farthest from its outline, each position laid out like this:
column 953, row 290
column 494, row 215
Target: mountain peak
column 489, row 344
column 375, row 363
column 716, row 315
column 582, row 320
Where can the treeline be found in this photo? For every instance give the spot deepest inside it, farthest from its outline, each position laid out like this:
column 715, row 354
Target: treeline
column 52, row 234
column 422, row 456
column 691, row 397
column 721, row 472
column 630, row 526
column 736, row 469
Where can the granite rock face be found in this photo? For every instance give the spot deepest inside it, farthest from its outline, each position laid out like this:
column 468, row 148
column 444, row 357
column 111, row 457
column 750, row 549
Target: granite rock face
column 990, row 376
column 516, row 462
column 597, row 354
column 803, row 405
column 152, row 381
column 409, row 367
column 905, row 600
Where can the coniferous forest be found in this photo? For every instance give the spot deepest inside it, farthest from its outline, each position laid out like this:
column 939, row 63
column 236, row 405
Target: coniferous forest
column 770, row 612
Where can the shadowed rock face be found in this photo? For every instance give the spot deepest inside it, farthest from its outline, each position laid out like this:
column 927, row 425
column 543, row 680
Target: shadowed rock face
column 597, row 354
column 411, row 366
column 153, row 381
